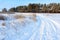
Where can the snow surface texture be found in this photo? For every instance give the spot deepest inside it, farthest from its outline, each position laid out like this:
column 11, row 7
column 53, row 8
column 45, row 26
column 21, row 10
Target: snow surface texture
column 30, row 27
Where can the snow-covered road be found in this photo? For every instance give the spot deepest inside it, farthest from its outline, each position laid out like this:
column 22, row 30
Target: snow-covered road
column 46, row 27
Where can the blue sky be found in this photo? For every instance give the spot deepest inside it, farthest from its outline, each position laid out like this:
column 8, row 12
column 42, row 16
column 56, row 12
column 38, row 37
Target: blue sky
column 13, row 3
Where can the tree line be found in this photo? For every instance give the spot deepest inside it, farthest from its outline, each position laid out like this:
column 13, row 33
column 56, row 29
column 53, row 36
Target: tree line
column 36, row 8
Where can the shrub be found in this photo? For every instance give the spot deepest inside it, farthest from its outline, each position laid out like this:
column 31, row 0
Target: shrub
column 19, row 16
column 2, row 17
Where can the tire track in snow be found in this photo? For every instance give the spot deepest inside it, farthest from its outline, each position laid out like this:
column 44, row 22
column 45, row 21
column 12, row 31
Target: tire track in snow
column 52, row 25
column 50, row 30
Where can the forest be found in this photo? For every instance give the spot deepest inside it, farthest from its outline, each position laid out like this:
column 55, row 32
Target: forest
column 35, row 8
